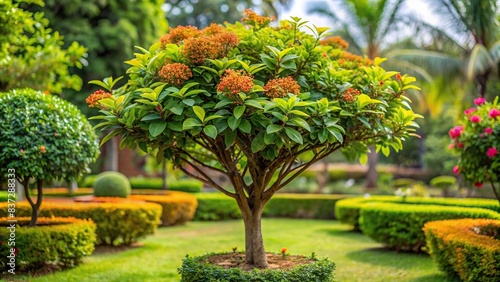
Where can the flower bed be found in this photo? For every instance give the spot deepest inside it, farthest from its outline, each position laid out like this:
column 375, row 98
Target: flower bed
column 466, row 248
column 57, row 241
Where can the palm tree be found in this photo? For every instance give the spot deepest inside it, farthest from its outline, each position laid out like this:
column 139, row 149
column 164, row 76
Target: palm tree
column 368, row 27
column 465, row 44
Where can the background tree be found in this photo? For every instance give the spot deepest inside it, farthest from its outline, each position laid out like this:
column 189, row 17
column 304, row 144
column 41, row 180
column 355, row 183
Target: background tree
column 250, row 112
column 43, row 138
column 368, row 26
column 31, row 54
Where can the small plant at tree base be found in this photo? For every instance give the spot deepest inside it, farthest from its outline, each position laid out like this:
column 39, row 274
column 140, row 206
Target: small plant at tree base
column 111, row 184
column 43, row 138
column 477, row 142
column 283, row 253
column 256, row 98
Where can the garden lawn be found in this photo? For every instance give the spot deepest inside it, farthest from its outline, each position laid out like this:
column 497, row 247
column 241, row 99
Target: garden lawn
column 358, row 258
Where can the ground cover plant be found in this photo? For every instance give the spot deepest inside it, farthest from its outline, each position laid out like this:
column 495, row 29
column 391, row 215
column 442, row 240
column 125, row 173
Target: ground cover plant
column 246, row 100
column 358, row 258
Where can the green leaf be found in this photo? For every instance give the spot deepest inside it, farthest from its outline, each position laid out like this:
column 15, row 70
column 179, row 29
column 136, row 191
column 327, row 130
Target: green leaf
column 151, row 117
column 109, row 136
column 223, row 103
column 337, row 135
column 253, row 103
column 294, row 135
column 190, row 123
column 229, row 138
column 300, row 122
column 233, row 122
column 363, row 159
column 298, row 113
column 157, row 127
column 177, row 110
column 189, row 102
column 210, row 131
column 363, row 100
column 199, row 112
column 258, row 143
column 175, row 126
column 238, row 111
column 386, row 151
column 245, row 126
column 272, row 128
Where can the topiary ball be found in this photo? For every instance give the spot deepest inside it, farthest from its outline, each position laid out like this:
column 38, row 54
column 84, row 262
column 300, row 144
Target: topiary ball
column 111, row 184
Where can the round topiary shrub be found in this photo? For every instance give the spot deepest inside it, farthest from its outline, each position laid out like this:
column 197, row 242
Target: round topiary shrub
column 207, row 268
column 111, row 184
column 57, row 241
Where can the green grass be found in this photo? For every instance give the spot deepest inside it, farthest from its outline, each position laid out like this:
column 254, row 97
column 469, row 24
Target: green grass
column 358, row 258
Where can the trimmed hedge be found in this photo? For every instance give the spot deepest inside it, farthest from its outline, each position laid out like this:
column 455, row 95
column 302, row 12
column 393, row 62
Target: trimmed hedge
column 466, row 248
column 118, row 223
column 217, row 206
column 347, row 210
column 154, row 183
column 197, row 269
column 178, row 207
column 60, row 241
column 399, row 226
column 111, row 184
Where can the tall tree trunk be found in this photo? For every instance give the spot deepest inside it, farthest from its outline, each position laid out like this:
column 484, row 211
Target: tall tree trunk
column 371, row 174
column 255, row 253
column 164, row 186
column 323, row 177
column 481, row 83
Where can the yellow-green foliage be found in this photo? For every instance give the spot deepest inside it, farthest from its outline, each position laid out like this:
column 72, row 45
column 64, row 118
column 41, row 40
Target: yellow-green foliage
column 467, row 248
column 63, row 241
column 178, row 207
column 117, row 223
column 400, row 226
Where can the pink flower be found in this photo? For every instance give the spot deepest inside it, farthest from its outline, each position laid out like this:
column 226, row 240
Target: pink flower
column 456, row 170
column 478, row 185
column 451, row 146
column 475, row 119
column 494, row 113
column 468, row 112
column 492, row 152
column 488, row 130
column 460, row 145
column 479, row 101
column 456, row 131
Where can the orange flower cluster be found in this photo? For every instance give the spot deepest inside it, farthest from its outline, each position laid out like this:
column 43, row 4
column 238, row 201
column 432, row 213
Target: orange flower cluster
column 43, row 150
column 336, row 42
column 280, row 87
column 350, row 95
column 350, row 57
column 256, row 20
column 175, row 74
column 179, row 34
column 234, row 82
column 93, row 99
column 213, row 29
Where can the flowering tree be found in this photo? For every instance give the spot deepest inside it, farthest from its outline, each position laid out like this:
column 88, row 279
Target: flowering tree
column 477, row 142
column 246, row 100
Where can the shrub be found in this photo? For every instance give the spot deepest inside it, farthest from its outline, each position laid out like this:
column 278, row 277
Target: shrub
column 117, row 223
column 186, row 185
column 178, row 207
column 215, row 206
column 111, row 184
column 347, row 210
column 402, row 182
column 183, row 185
column 60, row 241
column 87, row 181
column 302, row 206
column 196, row 269
column 400, row 226
column 466, row 248
column 443, row 181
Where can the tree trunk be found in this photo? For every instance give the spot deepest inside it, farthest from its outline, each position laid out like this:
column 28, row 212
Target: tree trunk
column 323, row 177
column 481, row 83
column 371, row 174
column 164, row 186
column 255, row 253
column 35, row 207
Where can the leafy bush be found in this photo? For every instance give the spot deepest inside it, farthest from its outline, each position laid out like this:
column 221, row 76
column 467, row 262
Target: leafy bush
column 215, row 206
column 443, row 181
column 477, row 142
column 347, row 210
column 117, row 223
column 87, row 181
column 466, row 248
column 63, row 241
column 43, row 138
column 302, row 206
column 198, row 269
column 400, row 226
column 111, row 184
column 183, row 185
column 178, row 207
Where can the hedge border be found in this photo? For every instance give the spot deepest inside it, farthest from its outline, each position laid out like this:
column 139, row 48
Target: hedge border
column 459, row 251
column 196, row 269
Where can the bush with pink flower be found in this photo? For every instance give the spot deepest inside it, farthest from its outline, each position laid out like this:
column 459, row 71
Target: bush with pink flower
column 477, row 141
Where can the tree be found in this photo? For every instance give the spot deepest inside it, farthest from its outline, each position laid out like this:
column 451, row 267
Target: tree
column 44, row 138
column 31, row 54
column 246, row 100
column 465, row 44
column 366, row 26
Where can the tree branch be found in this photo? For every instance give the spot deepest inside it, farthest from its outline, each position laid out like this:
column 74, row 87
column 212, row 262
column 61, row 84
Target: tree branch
column 205, row 179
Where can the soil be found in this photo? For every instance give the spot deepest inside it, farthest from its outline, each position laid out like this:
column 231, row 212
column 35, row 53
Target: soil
column 275, row 261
